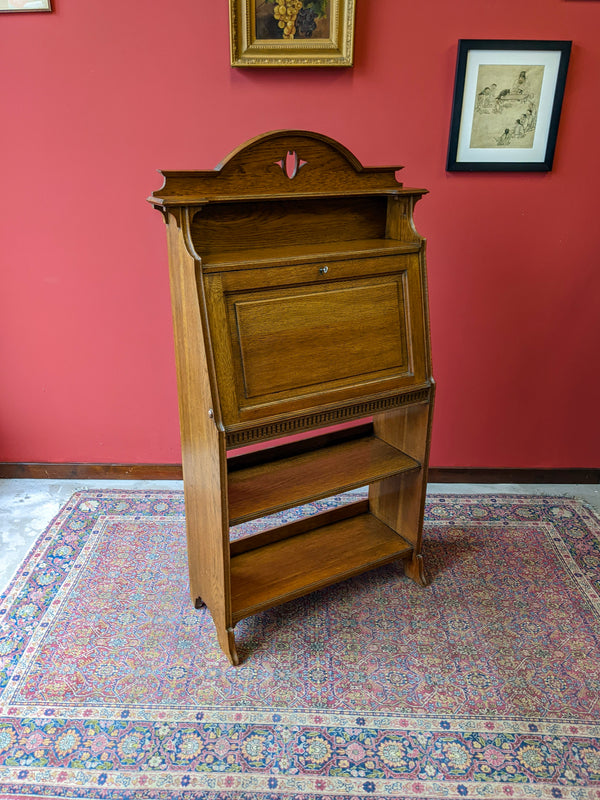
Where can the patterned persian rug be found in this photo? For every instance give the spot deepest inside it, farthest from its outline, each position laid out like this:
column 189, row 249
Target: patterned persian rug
column 485, row 684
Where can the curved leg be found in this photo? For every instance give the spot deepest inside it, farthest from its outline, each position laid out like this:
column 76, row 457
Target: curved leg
column 227, row 641
column 414, row 569
column 225, row 636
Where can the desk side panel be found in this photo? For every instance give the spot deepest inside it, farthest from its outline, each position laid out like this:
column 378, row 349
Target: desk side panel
column 203, row 445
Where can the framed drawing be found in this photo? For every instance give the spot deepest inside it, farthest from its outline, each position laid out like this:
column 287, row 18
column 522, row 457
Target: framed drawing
column 25, row 5
column 291, row 33
column 507, row 102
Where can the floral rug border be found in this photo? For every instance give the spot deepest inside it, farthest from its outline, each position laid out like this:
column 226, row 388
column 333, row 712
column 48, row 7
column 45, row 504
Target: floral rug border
column 489, row 739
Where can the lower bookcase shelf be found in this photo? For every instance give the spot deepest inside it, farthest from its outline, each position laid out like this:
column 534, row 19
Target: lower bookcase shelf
column 283, row 570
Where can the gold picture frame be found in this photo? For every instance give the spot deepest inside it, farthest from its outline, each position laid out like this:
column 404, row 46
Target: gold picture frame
column 291, row 33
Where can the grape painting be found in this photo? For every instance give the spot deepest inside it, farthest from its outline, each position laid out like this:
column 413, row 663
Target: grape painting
column 293, row 19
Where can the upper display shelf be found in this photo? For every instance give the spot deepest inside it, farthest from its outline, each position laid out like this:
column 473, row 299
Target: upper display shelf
column 280, row 164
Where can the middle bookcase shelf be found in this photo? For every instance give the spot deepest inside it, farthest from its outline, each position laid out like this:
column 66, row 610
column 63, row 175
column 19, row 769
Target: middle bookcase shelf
column 285, row 481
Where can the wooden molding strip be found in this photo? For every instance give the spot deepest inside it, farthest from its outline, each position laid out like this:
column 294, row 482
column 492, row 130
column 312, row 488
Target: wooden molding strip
column 509, row 475
column 173, row 472
column 335, row 416
column 78, row 471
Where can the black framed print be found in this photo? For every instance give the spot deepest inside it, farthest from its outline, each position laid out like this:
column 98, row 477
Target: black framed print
column 507, row 102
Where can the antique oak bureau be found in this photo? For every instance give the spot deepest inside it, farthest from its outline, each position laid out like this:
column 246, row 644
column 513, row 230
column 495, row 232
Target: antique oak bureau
column 299, row 303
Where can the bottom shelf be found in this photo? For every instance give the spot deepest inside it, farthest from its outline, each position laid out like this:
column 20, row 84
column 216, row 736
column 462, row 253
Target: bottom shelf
column 283, row 570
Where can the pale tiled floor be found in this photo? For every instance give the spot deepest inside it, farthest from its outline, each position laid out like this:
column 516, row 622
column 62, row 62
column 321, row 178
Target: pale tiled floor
column 27, row 506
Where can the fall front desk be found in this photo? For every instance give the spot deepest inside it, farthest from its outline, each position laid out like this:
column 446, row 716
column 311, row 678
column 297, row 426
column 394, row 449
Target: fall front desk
column 299, row 299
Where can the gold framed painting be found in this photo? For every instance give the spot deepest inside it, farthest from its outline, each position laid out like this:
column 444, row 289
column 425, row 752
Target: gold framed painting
column 291, row 33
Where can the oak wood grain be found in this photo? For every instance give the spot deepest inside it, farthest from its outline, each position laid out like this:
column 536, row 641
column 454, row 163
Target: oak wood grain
column 203, row 445
column 267, row 488
column 302, row 525
column 356, row 327
column 299, row 300
column 218, row 228
column 307, row 253
column 290, row 568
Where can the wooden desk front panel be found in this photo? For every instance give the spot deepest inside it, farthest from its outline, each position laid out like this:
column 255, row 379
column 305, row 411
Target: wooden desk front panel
column 355, row 331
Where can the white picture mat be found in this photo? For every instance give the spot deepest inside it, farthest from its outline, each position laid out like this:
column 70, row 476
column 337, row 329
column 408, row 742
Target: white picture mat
column 550, row 60
column 25, row 5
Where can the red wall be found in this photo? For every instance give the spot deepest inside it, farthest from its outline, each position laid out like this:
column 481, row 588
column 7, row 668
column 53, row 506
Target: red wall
column 97, row 95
